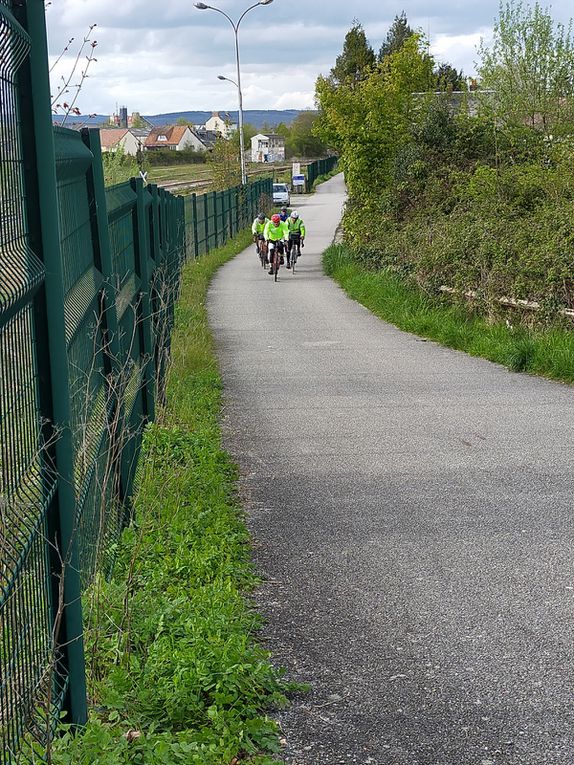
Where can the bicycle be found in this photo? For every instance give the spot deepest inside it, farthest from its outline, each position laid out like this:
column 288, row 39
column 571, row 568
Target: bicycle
column 295, row 245
column 261, row 249
column 275, row 250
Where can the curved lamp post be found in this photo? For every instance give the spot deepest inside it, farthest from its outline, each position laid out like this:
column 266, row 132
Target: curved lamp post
column 221, row 77
column 235, row 25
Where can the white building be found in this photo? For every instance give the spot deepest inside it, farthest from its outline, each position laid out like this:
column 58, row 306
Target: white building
column 267, row 148
column 114, row 138
column 218, row 124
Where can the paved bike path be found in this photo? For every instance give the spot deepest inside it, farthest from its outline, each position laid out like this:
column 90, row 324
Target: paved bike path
column 411, row 508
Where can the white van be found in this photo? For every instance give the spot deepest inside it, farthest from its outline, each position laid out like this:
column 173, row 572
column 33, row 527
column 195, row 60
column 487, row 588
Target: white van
column 281, row 194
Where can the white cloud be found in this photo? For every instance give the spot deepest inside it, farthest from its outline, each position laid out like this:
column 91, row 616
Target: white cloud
column 156, row 57
column 459, row 50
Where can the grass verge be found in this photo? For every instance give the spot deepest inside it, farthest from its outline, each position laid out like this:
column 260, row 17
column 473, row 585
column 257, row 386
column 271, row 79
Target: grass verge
column 190, row 172
column 176, row 675
column 548, row 352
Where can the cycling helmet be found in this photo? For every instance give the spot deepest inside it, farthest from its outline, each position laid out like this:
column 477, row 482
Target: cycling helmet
column 261, row 216
column 294, row 214
column 276, row 219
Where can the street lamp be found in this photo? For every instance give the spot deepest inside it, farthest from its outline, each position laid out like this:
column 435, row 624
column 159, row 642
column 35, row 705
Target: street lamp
column 235, row 25
column 221, row 77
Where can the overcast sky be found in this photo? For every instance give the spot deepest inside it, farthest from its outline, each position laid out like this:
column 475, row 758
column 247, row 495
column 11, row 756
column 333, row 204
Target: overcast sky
column 165, row 56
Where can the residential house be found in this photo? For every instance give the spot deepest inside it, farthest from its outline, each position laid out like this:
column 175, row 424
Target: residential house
column 141, row 135
column 220, row 125
column 268, row 148
column 175, row 138
column 112, row 139
column 207, row 137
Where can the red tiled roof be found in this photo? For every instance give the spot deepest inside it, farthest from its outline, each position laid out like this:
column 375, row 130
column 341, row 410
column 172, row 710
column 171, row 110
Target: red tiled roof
column 110, row 137
column 172, row 133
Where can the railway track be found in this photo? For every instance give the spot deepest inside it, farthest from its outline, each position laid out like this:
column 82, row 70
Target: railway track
column 201, row 184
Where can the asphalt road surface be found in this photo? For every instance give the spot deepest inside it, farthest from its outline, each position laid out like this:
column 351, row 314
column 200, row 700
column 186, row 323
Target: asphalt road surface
column 411, row 509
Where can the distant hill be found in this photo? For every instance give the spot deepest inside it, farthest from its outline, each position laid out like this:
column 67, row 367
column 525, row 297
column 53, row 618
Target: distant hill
column 256, row 117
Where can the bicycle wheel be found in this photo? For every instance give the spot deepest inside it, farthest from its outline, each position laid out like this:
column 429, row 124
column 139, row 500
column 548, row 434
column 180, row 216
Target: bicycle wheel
column 276, row 261
column 295, row 255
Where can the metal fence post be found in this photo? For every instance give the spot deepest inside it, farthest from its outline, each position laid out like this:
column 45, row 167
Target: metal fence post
column 206, row 222
column 44, row 238
column 194, row 225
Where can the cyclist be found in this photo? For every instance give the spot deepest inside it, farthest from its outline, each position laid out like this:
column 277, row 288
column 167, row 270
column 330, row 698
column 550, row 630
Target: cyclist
column 284, row 214
column 277, row 232
column 296, row 229
column 258, row 228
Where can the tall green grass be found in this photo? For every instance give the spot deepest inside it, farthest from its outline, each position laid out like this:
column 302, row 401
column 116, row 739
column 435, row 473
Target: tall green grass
column 548, row 352
column 176, row 673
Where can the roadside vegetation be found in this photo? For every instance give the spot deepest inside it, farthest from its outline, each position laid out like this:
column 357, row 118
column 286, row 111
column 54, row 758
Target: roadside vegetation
column 461, row 187
column 176, row 674
column 547, row 351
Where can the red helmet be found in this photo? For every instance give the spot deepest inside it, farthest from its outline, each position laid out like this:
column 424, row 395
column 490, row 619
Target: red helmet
column 276, row 219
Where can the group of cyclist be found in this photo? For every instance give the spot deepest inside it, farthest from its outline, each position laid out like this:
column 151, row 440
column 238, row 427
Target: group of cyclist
column 283, row 230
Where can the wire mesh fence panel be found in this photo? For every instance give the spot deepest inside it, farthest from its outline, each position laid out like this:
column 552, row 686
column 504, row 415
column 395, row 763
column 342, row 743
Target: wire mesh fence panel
column 165, row 284
column 85, row 343
column 88, row 287
column 26, row 484
column 75, row 382
column 210, row 220
column 318, row 168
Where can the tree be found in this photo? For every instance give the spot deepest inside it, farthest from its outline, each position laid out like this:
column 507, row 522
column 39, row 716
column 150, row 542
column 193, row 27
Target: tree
column 530, row 69
column 224, row 162
column 356, row 59
column 399, row 32
column 282, row 129
column 302, row 142
column 448, row 78
column 249, row 131
column 369, row 122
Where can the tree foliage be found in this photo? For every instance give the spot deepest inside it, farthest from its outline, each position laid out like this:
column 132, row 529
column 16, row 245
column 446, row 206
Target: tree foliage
column 474, row 194
column 356, row 59
column 118, row 166
column 367, row 122
column 249, row 131
column 397, row 35
column 225, row 163
column 448, row 78
column 530, row 69
column 302, row 142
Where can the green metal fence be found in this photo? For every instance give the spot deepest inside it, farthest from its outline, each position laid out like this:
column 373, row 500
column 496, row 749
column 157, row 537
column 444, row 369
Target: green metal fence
column 318, row 168
column 211, row 219
column 88, row 281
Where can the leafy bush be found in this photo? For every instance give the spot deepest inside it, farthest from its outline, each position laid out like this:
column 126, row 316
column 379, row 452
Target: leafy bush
column 118, row 166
